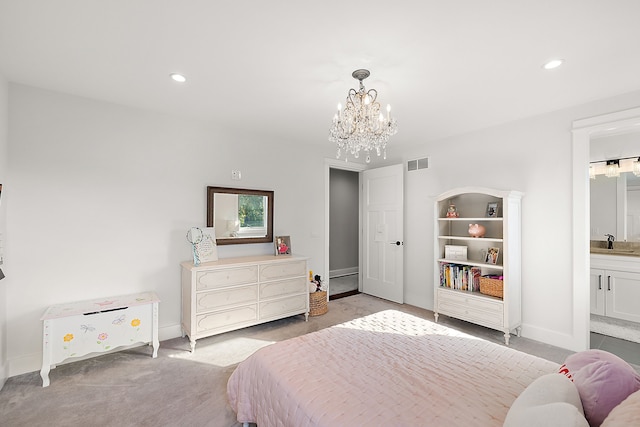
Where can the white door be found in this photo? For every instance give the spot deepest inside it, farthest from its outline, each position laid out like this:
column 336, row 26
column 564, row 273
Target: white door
column 383, row 241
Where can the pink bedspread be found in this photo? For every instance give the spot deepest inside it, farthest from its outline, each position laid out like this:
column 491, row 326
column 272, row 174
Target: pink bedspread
column 385, row 369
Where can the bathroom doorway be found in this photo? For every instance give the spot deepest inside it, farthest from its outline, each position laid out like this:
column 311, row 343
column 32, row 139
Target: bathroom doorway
column 614, row 223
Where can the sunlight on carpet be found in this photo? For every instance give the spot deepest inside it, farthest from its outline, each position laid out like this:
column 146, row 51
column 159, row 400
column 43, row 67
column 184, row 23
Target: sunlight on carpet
column 224, row 353
column 381, row 322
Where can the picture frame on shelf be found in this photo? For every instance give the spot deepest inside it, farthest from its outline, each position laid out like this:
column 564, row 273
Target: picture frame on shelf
column 282, row 245
column 492, row 256
column 492, row 210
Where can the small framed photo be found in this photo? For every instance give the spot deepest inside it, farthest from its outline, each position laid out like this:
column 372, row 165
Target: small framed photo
column 492, row 210
column 492, row 256
column 283, row 245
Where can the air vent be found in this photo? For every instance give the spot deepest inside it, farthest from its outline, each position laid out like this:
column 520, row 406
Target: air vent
column 414, row 165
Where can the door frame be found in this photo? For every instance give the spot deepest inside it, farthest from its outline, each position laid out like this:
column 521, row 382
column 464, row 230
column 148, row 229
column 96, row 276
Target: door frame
column 582, row 131
column 350, row 166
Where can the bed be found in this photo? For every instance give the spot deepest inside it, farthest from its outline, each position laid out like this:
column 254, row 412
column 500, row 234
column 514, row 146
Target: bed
column 386, row 369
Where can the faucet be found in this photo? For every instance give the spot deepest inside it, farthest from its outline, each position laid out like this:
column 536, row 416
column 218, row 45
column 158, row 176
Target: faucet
column 610, row 240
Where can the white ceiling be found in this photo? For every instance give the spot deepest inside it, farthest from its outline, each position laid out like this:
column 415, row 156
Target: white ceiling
column 281, row 66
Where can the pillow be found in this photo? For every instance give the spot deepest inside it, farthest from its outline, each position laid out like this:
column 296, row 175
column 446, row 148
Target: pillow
column 603, row 381
column 625, row 414
column 550, row 401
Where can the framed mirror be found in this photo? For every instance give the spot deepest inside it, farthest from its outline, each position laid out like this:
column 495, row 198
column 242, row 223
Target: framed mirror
column 240, row 215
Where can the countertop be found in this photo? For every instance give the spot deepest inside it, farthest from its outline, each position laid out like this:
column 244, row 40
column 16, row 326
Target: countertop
column 631, row 249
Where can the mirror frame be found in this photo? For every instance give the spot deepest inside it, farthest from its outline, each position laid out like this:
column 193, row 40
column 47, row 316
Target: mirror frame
column 239, row 241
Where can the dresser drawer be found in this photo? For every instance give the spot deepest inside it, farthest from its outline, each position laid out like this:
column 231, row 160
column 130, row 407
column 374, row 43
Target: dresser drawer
column 474, row 309
column 238, row 317
column 223, row 277
column 481, row 317
column 279, row 307
column 283, row 270
column 212, row 300
column 472, row 301
column 278, row 288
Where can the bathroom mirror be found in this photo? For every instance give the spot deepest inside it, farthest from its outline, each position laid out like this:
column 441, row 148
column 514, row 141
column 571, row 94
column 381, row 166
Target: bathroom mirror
column 615, row 202
column 615, row 207
column 240, row 215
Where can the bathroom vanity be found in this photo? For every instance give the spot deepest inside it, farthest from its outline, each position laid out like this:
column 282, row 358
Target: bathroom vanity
column 615, row 282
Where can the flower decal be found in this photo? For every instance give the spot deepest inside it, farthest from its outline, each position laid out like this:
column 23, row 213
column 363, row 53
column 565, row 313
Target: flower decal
column 102, row 337
column 67, row 344
column 135, row 322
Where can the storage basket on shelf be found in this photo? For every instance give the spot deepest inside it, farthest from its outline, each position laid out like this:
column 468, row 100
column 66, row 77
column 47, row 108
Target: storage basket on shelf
column 318, row 303
column 491, row 286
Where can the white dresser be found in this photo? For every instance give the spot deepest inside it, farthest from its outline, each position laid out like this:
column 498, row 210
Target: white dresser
column 234, row 293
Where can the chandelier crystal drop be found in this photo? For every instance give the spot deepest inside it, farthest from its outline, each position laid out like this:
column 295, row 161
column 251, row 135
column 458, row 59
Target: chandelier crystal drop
column 360, row 125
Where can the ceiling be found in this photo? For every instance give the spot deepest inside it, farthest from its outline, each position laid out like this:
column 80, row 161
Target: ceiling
column 280, row 67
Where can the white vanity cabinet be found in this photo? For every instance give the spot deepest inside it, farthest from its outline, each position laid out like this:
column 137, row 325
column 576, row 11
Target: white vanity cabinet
column 234, row 293
column 597, row 290
column 615, row 287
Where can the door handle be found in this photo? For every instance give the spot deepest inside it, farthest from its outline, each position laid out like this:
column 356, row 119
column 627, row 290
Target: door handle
column 599, row 281
column 608, row 283
column 397, row 243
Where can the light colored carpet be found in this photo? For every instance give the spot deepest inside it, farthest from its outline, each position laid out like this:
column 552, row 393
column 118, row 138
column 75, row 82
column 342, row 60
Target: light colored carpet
column 341, row 284
column 629, row 331
column 129, row 388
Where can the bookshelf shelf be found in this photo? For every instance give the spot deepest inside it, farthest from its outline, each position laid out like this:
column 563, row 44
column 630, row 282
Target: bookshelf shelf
column 473, row 239
column 483, row 219
column 497, row 254
column 471, row 263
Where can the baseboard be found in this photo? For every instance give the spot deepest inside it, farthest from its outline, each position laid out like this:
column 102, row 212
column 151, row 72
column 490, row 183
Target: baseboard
column 169, row 332
column 33, row 362
column 550, row 337
column 343, row 272
column 4, row 374
column 25, row 364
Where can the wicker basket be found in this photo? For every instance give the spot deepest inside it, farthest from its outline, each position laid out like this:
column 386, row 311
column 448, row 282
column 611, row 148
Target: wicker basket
column 318, row 303
column 489, row 286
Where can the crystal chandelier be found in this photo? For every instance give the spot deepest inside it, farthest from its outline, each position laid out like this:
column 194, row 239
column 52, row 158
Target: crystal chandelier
column 360, row 125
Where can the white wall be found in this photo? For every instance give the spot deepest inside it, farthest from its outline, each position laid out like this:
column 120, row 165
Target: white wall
column 102, row 196
column 533, row 156
column 4, row 155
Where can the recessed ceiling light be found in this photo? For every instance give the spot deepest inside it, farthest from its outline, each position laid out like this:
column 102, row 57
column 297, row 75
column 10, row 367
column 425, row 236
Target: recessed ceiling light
column 178, row 77
column 554, row 63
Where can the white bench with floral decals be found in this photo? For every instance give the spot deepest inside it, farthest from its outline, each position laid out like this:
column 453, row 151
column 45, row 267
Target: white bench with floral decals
column 96, row 326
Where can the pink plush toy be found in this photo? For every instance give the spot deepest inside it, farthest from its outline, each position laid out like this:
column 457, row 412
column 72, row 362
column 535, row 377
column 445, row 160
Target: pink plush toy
column 603, row 381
